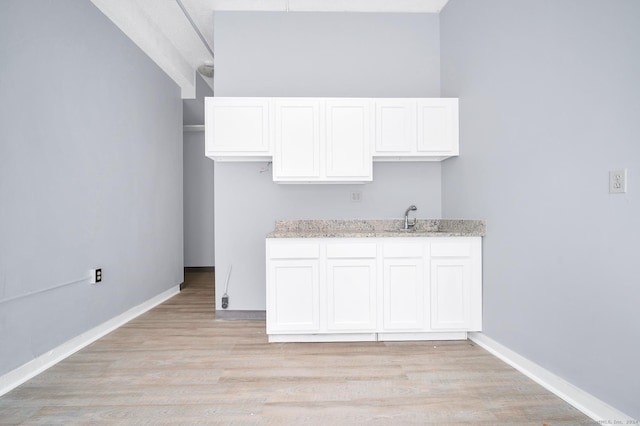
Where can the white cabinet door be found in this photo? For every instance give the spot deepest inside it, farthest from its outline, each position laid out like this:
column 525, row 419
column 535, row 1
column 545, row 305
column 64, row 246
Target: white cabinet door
column 322, row 140
column 438, row 127
column 293, row 296
column 348, row 140
column 422, row 129
column 396, row 130
column 351, row 284
column 237, row 127
column 450, row 294
column 405, row 286
column 404, row 295
column 456, row 284
column 293, row 286
column 351, row 295
column 297, row 140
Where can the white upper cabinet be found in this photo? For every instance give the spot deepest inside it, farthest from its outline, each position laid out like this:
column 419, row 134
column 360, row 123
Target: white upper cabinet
column 297, row 140
column 348, row 140
column 416, row 129
column 396, row 129
column 330, row 140
column 322, row 140
column 438, row 127
column 238, row 129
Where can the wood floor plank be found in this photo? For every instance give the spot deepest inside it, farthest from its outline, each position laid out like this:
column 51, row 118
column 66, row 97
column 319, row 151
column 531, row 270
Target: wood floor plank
column 178, row 364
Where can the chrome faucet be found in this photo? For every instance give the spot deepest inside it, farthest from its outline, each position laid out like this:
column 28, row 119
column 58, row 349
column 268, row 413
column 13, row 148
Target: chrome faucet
column 407, row 224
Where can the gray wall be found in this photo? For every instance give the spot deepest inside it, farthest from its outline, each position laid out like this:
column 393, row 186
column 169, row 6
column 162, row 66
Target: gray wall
column 198, row 184
column 550, row 101
column 193, row 109
column 315, row 54
column 248, row 203
column 90, row 175
column 198, row 203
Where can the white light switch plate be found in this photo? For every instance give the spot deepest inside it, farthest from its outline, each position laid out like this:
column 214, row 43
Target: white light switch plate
column 618, row 181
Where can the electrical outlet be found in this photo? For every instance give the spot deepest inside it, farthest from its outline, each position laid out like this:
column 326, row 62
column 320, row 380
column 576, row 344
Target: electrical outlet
column 356, row 196
column 618, row 181
column 225, row 301
column 96, row 275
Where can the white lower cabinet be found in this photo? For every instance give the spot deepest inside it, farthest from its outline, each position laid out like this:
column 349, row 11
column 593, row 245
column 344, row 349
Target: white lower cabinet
column 351, row 295
column 404, row 287
column 456, row 272
column 293, row 288
column 450, row 294
column 294, row 295
column 420, row 288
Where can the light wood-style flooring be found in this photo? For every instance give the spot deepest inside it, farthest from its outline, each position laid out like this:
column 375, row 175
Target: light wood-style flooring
column 177, row 364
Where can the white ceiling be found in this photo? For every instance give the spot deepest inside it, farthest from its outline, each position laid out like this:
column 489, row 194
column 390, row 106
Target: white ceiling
column 178, row 34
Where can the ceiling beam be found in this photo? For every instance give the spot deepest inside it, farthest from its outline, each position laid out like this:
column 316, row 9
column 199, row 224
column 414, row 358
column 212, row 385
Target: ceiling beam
column 386, row 6
column 163, row 32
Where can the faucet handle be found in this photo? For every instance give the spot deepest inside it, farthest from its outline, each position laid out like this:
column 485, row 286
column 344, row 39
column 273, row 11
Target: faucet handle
column 407, row 224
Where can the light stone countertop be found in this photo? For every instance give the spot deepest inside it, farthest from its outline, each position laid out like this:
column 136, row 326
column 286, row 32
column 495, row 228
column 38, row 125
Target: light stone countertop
column 361, row 228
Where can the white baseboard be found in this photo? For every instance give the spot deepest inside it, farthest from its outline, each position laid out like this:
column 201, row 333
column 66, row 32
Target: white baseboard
column 590, row 405
column 32, row 368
